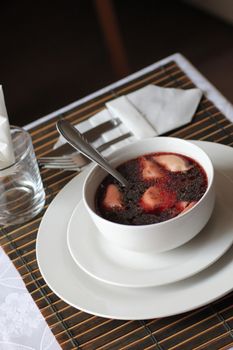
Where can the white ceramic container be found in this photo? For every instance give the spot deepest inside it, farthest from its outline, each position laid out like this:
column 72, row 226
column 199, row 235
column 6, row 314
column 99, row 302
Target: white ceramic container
column 161, row 236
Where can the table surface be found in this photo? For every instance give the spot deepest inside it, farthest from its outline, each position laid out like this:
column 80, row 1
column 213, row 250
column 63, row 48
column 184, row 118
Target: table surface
column 21, row 324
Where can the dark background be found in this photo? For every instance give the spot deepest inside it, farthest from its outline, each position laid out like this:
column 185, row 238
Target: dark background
column 54, row 53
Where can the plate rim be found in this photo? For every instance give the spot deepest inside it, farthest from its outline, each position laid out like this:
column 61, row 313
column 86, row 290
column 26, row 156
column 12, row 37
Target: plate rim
column 227, row 242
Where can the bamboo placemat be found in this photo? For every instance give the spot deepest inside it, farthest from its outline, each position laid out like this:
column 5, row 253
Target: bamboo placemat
column 209, row 327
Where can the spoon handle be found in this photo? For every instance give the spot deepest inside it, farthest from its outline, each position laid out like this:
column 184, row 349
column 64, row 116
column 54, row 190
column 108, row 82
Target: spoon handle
column 78, row 141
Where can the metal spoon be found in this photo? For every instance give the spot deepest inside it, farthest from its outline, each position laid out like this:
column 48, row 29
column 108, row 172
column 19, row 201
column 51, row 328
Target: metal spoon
column 78, row 141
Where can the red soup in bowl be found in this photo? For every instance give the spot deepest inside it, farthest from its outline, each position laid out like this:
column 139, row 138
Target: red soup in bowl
column 162, row 186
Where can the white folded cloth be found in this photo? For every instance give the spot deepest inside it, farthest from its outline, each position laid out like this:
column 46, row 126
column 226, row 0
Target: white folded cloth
column 154, row 110
column 6, row 148
column 149, row 111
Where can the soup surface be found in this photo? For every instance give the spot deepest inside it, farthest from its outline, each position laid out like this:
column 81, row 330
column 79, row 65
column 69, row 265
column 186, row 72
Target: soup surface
column 162, row 186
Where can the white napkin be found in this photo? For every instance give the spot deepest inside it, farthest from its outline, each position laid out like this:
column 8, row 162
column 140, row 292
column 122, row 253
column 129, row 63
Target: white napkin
column 154, row 110
column 147, row 112
column 6, row 149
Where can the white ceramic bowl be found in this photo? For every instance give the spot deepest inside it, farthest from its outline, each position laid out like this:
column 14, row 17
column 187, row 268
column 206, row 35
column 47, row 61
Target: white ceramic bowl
column 161, row 236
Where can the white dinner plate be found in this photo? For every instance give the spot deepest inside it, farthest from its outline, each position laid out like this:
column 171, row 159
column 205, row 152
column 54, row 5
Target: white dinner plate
column 108, row 263
column 82, row 291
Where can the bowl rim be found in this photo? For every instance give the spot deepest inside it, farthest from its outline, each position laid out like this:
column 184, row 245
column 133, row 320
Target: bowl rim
column 112, row 156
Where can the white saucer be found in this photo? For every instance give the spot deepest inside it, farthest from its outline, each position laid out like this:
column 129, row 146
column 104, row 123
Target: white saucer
column 80, row 290
column 120, row 267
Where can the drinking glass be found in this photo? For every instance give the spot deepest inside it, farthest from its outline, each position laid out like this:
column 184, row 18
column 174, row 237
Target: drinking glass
column 22, row 194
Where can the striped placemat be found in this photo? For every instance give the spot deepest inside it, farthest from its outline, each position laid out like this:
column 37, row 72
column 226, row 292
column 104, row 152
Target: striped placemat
column 209, row 327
